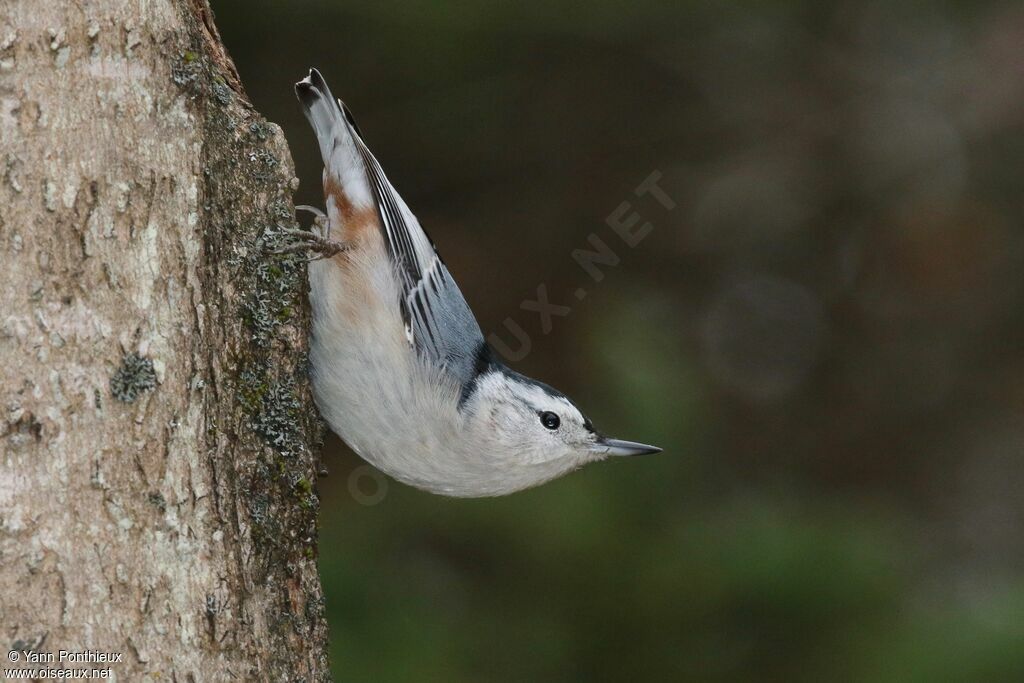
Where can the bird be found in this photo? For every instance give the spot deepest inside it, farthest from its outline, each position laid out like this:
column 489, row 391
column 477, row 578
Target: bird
column 399, row 367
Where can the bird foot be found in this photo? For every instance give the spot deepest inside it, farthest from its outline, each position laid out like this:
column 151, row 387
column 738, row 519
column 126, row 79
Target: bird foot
column 310, row 241
column 315, row 240
column 320, row 218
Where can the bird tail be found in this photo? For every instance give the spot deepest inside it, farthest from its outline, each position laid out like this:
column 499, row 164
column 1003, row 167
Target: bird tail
column 337, row 135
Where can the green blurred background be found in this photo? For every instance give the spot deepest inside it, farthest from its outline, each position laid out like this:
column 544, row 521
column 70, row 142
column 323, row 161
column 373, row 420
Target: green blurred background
column 826, row 334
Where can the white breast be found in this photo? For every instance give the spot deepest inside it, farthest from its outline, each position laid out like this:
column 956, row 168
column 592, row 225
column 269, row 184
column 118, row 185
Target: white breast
column 368, row 383
column 389, row 405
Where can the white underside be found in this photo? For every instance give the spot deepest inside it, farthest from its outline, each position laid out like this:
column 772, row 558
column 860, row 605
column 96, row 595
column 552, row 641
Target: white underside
column 386, row 403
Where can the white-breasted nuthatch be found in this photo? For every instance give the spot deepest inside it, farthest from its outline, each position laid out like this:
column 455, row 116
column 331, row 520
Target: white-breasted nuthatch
column 400, row 369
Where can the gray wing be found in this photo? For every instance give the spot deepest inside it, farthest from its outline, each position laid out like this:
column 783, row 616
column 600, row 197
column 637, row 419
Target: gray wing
column 438, row 322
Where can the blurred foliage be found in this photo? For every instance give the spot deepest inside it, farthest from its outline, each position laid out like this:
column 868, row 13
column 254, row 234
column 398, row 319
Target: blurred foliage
column 826, row 334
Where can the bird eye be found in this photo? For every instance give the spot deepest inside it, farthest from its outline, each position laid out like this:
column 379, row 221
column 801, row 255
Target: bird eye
column 549, row 420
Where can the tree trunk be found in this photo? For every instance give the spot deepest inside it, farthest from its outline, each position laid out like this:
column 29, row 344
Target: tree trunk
column 158, row 443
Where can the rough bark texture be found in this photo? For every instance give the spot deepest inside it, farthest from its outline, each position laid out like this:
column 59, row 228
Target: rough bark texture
column 158, row 445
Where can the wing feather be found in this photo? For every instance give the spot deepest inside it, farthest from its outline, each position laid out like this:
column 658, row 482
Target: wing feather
column 439, row 322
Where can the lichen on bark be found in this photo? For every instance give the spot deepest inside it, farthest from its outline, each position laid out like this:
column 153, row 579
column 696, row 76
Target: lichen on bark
column 159, row 444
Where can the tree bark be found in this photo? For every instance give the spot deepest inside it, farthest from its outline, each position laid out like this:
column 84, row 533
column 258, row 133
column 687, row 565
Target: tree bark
column 158, row 443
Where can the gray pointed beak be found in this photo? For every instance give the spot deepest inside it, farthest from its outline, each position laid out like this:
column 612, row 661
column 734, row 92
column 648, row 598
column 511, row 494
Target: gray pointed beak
column 606, row 446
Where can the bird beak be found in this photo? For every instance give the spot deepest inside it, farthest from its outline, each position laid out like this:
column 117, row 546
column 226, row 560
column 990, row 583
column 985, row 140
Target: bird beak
column 607, row 446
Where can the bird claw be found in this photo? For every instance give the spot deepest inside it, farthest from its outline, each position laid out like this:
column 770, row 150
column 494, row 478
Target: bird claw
column 320, row 220
column 311, row 209
column 315, row 240
column 307, row 240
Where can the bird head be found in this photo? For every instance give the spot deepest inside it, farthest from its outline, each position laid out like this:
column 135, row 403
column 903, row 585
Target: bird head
column 535, row 429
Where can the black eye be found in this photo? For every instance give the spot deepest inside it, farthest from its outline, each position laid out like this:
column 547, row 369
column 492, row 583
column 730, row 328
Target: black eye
column 549, row 420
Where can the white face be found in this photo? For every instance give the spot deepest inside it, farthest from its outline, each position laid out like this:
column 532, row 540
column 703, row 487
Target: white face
column 530, row 424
